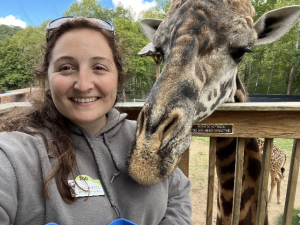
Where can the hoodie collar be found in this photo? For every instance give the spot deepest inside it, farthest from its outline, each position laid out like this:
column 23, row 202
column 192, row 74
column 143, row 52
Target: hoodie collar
column 114, row 118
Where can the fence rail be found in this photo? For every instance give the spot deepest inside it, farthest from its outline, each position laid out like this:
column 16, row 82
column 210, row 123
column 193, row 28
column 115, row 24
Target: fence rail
column 267, row 120
column 242, row 120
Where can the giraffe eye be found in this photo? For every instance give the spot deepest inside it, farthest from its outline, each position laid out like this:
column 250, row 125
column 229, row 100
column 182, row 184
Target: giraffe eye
column 237, row 54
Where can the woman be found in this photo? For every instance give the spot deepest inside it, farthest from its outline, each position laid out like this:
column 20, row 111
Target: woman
column 63, row 160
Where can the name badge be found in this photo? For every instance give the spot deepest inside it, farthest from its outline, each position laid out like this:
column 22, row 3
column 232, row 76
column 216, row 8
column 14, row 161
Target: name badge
column 85, row 186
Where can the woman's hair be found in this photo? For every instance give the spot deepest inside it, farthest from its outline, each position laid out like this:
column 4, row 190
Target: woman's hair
column 43, row 110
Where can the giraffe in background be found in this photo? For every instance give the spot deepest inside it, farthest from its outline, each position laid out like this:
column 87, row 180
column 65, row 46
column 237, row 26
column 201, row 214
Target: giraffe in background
column 202, row 42
column 278, row 159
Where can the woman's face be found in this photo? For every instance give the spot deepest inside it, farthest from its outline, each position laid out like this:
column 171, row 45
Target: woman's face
column 83, row 78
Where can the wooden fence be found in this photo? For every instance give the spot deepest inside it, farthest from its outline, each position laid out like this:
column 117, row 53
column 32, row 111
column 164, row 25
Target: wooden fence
column 242, row 120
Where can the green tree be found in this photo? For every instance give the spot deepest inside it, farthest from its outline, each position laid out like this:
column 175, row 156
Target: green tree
column 267, row 70
column 91, row 8
column 157, row 12
column 20, row 56
column 139, row 69
column 8, row 31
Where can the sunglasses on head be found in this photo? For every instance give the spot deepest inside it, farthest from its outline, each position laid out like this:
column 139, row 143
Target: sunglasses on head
column 101, row 23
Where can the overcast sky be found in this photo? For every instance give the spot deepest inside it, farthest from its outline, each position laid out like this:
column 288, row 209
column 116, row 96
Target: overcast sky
column 33, row 12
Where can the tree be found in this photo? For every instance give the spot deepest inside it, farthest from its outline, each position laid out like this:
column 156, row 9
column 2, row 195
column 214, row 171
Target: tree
column 295, row 64
column 90, row 8
column 20, row 56
column 279, row 59
column 8, row 31
column 157, row 12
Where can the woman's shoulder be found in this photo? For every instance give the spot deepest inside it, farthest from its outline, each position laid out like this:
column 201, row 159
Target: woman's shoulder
column 16, row 142
column 131, row 124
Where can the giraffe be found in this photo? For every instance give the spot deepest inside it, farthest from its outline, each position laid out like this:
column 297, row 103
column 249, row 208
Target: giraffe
column 278, row 158
column 202, row 42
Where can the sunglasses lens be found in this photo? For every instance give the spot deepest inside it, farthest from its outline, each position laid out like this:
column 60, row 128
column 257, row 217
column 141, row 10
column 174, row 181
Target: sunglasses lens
column 56, row 23
column 101, row 23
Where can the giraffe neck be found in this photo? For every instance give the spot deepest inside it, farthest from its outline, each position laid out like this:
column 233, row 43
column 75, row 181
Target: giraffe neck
column 225, row 163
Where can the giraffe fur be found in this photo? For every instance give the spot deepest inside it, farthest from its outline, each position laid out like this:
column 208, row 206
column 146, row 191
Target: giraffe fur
column 202, row 43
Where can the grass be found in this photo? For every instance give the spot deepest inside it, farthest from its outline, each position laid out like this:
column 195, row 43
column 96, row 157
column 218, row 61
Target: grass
column 295, row 219
column 283, row 143
column 204, row 139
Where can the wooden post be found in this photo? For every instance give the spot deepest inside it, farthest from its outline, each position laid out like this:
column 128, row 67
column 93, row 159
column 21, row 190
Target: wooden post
column 238, row 180
column 211, row 179
column 264, row 179
column 292, row 184
column 184, row 162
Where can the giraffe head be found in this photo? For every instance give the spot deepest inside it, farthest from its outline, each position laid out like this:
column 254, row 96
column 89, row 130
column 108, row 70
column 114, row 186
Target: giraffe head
column 202, row 42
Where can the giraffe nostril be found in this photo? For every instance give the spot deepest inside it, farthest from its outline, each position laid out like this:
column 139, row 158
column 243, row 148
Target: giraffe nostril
column 170, row 125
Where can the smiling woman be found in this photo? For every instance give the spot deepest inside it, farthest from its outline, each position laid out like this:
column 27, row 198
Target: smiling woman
column 65, row 156
column 83, row 78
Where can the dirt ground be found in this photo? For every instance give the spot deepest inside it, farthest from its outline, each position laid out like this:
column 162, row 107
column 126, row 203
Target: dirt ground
column 198, row 176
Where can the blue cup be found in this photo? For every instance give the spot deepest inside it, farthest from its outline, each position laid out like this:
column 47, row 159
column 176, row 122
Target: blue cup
column 122, row 222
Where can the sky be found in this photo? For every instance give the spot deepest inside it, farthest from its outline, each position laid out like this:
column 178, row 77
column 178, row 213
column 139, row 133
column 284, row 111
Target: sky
column 33, row 12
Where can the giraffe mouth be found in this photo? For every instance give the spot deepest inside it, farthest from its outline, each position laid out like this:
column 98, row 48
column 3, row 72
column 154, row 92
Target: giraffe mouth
column 151, row 166
column 155, row 152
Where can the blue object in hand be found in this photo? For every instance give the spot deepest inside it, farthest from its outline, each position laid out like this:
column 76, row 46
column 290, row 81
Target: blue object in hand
column 122, row 222
column 51, row 224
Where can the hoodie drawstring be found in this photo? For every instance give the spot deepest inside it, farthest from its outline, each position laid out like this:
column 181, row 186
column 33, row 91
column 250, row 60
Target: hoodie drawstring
column 113, row 159
column 113, row 204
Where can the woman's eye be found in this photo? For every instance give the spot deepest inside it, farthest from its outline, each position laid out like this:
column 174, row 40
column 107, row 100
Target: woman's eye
column 100, row 68
column 66, row 68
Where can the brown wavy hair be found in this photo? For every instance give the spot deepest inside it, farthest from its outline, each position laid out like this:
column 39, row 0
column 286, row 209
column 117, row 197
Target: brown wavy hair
column 43, row 110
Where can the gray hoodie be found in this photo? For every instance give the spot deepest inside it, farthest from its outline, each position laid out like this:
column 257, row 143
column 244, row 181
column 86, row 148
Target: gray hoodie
column 25, row 165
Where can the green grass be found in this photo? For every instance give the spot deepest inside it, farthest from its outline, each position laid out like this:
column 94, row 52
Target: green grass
column 283, row 143
column 201, row 154
column 295, row 219
column 204, row 139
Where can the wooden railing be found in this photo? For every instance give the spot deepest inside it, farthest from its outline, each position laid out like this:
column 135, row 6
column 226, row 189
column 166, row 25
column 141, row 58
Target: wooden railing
column 243, row 120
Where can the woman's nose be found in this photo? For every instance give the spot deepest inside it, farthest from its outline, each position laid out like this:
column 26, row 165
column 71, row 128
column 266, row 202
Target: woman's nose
column 84, row 81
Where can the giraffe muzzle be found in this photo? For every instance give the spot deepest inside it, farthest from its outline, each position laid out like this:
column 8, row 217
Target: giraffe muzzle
column 158, row 145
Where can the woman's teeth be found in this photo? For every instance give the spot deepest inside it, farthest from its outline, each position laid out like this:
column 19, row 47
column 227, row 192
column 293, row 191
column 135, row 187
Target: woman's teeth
column 84, row 100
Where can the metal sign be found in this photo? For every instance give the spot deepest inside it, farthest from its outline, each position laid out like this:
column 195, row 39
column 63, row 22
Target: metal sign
column 213, row 128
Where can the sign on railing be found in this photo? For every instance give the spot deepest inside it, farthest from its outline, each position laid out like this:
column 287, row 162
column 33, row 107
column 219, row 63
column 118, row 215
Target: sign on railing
column 213, row 128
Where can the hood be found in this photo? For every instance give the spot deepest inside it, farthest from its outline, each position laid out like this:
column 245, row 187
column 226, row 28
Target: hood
column 114, row 119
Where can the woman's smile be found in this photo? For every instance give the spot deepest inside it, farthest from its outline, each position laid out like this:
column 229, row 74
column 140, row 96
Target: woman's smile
column 84, row 100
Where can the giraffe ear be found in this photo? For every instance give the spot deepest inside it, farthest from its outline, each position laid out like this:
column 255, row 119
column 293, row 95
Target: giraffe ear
column 276, row 23
column 149, row 27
